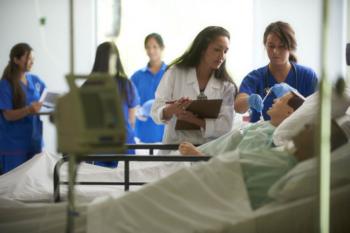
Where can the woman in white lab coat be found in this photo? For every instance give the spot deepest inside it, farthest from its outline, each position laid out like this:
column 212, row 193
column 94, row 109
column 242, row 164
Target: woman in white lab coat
column 199, row 72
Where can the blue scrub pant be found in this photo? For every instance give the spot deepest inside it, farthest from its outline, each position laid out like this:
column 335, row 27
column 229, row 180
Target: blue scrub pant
column 11, row 161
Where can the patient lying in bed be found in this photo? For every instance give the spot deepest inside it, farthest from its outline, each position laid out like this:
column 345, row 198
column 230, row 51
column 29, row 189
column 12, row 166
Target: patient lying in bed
column 258, row 135
column 262, row 163
column 210, row 197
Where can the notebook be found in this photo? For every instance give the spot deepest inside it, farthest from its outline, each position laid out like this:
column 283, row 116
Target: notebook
column 203, row 109
column 49, row 98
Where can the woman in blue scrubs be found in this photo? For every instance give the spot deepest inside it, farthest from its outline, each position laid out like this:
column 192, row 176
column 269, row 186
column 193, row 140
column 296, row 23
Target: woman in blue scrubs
column 280, row 44
column 20, row 126
column 107, row 60
column 146, row 81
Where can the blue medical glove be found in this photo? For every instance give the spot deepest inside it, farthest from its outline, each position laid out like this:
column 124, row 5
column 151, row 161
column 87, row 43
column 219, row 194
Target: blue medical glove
column 255, row 101
column 147, row 106
column 280, row 89
column 145, row 110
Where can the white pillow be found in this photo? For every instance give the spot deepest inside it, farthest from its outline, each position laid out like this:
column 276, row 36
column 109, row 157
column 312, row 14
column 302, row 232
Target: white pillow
column 306, row 114
column 302, row 180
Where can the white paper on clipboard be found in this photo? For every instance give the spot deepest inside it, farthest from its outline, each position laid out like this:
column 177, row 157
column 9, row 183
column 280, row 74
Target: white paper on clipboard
column 49, row 98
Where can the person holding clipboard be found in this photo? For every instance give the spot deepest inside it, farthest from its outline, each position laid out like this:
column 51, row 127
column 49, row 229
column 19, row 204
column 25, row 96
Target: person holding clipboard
column 20, row 126
column 200, row 73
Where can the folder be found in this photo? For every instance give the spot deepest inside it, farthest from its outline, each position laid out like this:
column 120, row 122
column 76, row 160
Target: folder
column 49, row 98
column 202, row 109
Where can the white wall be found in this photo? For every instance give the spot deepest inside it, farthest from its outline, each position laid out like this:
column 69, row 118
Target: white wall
column 179, row 21
column 306, row 19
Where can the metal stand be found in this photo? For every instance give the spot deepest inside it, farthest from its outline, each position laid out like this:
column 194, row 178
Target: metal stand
column 71, row 212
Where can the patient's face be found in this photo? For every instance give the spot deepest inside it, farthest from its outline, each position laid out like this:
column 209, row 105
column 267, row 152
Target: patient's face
column 280, row 110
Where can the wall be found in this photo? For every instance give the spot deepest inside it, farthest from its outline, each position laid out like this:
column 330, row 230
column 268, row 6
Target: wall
column 306, row 19
column 179, row 21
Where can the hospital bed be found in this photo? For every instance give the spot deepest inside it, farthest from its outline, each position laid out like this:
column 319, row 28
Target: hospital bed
column 299, row 215
column 127, row 159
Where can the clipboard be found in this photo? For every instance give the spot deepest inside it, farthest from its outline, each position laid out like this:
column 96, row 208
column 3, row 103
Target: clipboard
column 49, row 98
column 203, row 109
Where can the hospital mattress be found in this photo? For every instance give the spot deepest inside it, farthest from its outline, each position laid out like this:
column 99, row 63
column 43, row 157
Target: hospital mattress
column 297, row 216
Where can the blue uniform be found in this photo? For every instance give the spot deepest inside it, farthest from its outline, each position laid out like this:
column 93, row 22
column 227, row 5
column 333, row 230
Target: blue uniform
column 261, row 80
column 146, row 83
column 20, row 140
column 131, row 100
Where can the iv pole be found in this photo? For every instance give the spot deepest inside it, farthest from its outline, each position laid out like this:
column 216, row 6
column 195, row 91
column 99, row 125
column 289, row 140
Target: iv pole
column 72, row 168
column 324, row 128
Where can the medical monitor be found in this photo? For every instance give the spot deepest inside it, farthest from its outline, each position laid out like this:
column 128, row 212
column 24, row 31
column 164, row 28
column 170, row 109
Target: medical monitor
column 89, row 119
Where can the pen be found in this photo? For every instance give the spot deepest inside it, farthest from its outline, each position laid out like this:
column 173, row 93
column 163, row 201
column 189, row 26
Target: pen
column 173, row 101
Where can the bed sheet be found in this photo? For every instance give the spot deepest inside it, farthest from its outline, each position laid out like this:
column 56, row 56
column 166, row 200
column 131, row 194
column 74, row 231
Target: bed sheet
column 18, row 217
column 190, row 200
column 33, row 180
column 210, row 197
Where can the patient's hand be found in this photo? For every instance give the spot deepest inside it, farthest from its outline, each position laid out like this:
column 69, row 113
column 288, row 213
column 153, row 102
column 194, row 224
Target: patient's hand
column 187, row 148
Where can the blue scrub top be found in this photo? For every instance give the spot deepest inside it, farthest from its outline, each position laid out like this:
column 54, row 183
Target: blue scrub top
column 22, row 139
column 131, row 101
column 146, row 83
column 259, row 81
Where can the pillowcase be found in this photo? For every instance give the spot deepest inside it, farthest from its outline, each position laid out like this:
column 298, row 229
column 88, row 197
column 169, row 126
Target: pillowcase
column 302, row 180
column 307, row 114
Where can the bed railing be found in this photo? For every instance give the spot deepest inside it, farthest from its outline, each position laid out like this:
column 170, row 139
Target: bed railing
column 127, row 159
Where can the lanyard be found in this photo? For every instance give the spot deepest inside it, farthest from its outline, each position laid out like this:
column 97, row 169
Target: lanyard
column 266, row 79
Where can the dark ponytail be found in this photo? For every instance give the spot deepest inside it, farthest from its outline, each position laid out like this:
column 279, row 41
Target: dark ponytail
column 12, row 74
column 287, row 36
column 292, row 57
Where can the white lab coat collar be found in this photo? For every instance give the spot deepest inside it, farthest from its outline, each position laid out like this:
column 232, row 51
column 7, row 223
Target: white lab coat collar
column 213, row 83
column 192, row 76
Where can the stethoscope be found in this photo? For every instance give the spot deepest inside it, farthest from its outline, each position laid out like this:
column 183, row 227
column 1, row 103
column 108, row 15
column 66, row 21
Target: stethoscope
column 267, row 88
column 202, row 96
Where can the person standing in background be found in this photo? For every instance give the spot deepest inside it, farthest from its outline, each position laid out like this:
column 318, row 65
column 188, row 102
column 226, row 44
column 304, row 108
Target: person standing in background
column 199, row 73
column 146, row 81
column 107, row 60
column 20, row 126
column 260, row 87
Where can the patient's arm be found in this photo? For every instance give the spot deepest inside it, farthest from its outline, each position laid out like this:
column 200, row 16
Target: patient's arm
column 187, row 148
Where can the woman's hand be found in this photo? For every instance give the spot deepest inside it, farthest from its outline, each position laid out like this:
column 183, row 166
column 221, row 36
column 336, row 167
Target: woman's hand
column 16, row 114
column 191, row 118
column 187, row 148
column 34, row 107
column 176, row 108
